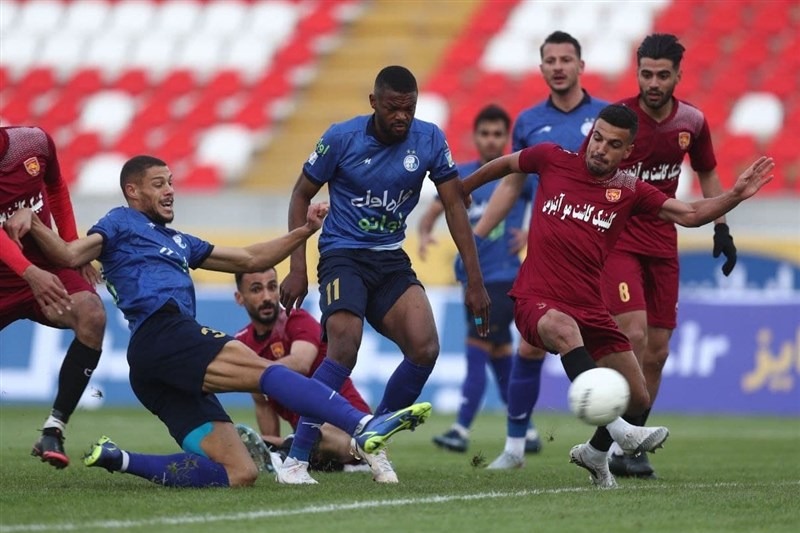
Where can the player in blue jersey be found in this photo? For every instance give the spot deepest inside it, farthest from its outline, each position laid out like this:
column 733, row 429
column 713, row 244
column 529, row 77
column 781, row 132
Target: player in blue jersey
column 176, row 364
column 565, row 118
column 499, row 260
column 374, row 167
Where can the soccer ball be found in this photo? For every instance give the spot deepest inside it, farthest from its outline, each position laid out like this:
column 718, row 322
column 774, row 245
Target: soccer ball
column 598, row 396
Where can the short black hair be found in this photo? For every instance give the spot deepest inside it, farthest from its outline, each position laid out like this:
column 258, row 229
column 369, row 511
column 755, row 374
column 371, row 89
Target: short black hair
column 396, row 78
column 238, row 276
column 135, row 168
column 492, row 112
column 661, row 46
column 620, row 116
column 560, row 37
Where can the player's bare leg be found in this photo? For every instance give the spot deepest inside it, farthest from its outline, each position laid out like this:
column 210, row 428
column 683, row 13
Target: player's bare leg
column 86, row 317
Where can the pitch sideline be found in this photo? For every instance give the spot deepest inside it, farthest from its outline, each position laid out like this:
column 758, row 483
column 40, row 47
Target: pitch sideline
column 253, row 515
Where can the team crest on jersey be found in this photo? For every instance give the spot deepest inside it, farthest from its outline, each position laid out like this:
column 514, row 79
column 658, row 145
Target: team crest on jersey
column 684, row 139
column 32, row 166
column 613, row 195
column 277, row 350
column 411, row 162
column 179, row 241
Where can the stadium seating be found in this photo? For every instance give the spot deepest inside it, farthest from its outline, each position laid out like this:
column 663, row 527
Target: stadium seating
column 196, row 82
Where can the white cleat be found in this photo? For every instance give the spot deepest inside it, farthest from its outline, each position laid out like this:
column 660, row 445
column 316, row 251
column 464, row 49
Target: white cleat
column 506, row 461
column 595, row 462
column 293, row 472
column 640, row 439
column 379, row 465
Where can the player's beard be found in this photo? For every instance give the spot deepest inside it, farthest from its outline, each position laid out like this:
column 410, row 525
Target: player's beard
column 665, row 97
column 268, row 321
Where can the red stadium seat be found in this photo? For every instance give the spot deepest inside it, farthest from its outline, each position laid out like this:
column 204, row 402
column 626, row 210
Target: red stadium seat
column 132, row 81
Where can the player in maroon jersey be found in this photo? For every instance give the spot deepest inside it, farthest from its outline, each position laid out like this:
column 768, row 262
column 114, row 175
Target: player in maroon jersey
column 640, row 279
column 32, row 288
column 582, row 205
column 296, row 341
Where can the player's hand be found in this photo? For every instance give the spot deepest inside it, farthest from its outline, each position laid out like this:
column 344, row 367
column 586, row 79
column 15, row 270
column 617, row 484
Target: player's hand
column 294, row 288
column 754, row 177
column 425, row 240
column 519, row 239
column 90, row 274
column 48, row 290
column 316, row 214
column 477, row 301
column 723, row 244
column 19, row 225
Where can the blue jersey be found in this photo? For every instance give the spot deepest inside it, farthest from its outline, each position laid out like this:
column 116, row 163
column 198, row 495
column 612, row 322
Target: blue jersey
column 374, row 186
column 497, row 262
column 546, row 123
column 147, row 264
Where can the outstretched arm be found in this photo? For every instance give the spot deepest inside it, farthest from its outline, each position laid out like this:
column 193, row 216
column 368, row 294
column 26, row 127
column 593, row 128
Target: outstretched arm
column 500, row 204
column 73, row 254
column 475, row 296
column 703, row 211
column 263, row 255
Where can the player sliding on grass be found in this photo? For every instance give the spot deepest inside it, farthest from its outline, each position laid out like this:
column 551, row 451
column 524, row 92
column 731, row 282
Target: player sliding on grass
column 583, row 202
column 176, row 364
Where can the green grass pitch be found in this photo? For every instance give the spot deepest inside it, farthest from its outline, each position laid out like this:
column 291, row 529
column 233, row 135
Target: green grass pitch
column 716, row 474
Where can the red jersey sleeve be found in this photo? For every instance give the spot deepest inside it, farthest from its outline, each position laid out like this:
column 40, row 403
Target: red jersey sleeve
column 11, row 255
column 58, row 196
column 534, row 159
column 701, row 153
column 301, row 326
column 648, row 199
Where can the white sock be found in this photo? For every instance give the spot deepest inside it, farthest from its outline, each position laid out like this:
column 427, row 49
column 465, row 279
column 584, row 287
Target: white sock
column 53, row 422
column 363, row 423
column 615, row 449
column 125, row 459
column 461, row 430
column 595, row 455
column 618, row 428
column 532, row 434
column 515, row 446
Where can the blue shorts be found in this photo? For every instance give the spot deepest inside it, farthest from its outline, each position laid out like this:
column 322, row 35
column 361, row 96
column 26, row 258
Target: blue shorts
column 168, row 356
column 366, row 283
column 501, row 314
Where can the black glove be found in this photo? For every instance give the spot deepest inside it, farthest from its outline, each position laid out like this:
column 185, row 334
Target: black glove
column 723, row 244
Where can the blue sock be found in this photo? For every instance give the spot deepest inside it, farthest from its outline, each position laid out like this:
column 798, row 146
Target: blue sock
column 306, row 434
column 523, row 391
column 404, row 387
column 502, row 373
column 309, row 397
column 474, row 385
column 178, row 470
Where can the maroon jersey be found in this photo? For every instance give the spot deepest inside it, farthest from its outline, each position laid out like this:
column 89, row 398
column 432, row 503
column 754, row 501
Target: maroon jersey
column 298, row 326
column 29, row 177
column 658, row 152
column 575, row 221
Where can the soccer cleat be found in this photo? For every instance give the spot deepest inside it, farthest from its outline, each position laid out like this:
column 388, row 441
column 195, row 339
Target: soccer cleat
column 595, row 462
column 631, row 466
column 377, row 432
column 104, row 453
column 452, row 440
column 256, row 447
column 379, row 465
column 643, row 439
column 506, row 461
column 293, row 472
column 49, row 447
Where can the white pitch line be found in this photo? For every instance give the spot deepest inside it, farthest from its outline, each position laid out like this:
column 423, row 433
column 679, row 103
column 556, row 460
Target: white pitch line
column 355, row 506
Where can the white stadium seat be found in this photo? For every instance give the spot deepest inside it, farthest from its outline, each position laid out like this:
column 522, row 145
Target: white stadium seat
column 100, row 175
column 227, row 147
column 108, row 113
column 177, row 17
column 223, row 18
column 200, row 54
column 757, row 114
column 62, row 52
column 607, row 55
column 273, row 21
column 132, row 17
column 248, row 53
column 155, row 54
column 86, row 16
column 9, row 12
column 39, row 17
column 19, row 51
column 108, row 52
column 432, row 107
column 510, row 54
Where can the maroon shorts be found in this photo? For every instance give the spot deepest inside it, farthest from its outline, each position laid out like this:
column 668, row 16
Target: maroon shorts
column 600, row 333
column 17, row 301
column 349, row 392
column 634, row 282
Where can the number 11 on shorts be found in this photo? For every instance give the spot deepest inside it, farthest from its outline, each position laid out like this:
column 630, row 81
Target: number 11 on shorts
column 332, row 290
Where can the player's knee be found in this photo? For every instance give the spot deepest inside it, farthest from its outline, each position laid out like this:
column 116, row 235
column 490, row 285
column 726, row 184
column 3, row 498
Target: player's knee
column 91, row 321
column 637, row 337
column 427, row 352
column 526, row 351
column 244, row 475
